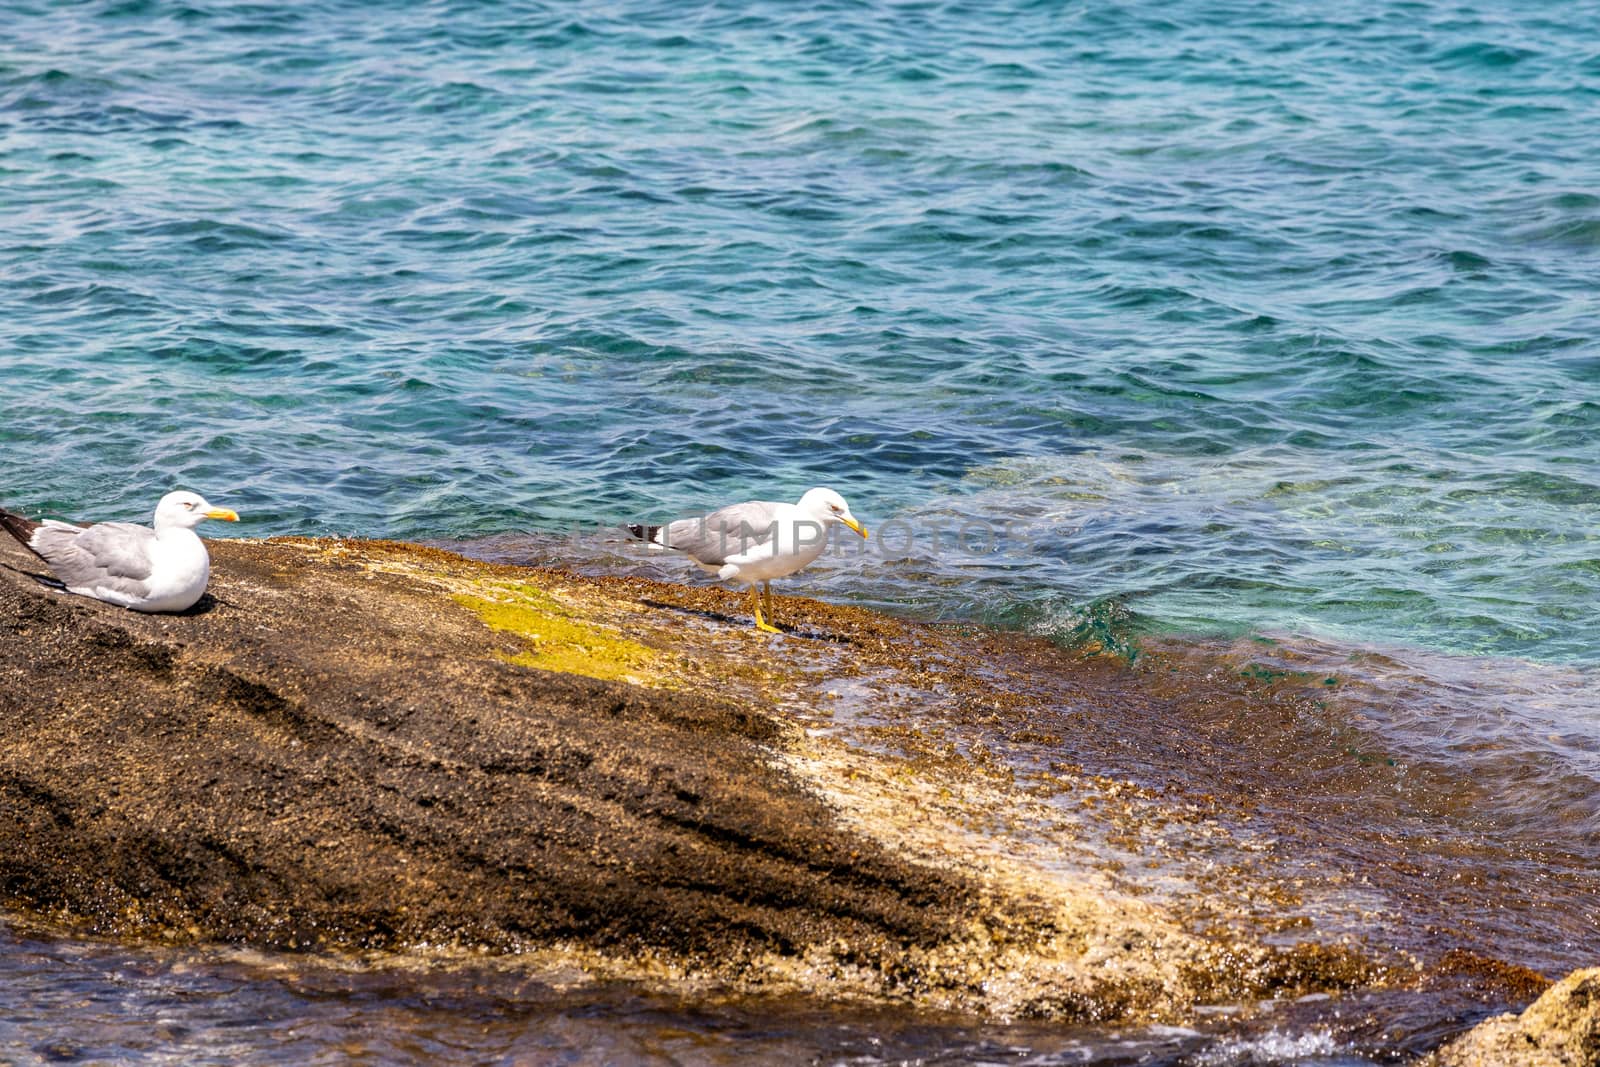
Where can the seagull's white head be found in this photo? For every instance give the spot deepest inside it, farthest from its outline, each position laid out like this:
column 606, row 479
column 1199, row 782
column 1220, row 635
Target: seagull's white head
column 830, row 507
column 186, row 510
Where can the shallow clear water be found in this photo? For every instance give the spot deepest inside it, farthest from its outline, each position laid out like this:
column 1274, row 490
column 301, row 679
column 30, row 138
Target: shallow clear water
column 1181, row 321
column 84, row 1002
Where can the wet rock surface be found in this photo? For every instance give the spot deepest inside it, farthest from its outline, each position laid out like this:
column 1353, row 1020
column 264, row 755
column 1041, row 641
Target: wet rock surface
column 1560, row 1029
column 366, row 746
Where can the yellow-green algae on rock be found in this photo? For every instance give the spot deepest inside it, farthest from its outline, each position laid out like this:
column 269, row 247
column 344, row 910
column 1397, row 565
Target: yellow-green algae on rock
column 559, row 639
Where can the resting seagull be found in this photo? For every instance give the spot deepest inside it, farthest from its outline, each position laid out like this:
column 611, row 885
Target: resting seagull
column 756, row 541
column 161, row 569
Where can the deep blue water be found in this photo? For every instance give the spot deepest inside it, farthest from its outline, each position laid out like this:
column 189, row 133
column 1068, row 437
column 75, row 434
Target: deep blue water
column 1270, row 317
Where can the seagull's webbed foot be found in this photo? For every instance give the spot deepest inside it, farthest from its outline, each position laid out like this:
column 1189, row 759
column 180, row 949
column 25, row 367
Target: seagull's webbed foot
column 755, row 609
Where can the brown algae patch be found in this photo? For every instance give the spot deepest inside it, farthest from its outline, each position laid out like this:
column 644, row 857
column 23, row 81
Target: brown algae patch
column 559, row 640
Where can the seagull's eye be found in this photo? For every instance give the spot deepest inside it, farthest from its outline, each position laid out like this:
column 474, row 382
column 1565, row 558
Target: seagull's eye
column 189, row 504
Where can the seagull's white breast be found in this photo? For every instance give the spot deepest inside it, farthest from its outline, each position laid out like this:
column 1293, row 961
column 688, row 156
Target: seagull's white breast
column 181, row 567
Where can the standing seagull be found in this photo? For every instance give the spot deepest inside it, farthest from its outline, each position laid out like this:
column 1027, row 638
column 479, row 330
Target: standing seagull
column 756, row 541
column 164, row 569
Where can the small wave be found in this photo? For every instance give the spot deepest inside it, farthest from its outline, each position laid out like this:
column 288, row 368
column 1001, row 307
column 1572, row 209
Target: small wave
column 1581, row 233
column 1278, row 1049
column 1105, row 625
column 1485, row 55
column 209, row 235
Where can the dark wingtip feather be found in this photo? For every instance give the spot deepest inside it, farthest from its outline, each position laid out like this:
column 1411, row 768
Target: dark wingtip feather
column 643, row 533
column 19, row 527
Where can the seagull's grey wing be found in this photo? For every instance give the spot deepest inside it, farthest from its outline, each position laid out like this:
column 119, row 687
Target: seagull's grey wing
column 728, row 531
column 113, row 556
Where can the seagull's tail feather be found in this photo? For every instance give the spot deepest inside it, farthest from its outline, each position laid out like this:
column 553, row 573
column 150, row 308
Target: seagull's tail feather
column 19, row 527
column 644, row 533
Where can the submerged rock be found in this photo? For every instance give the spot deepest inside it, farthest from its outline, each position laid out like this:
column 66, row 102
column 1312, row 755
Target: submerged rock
column 354, row 746
column 1560, row 1029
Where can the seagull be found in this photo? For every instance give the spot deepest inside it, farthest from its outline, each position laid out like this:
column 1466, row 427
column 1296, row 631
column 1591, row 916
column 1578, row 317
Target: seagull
column 161, row 569
column 756, row 541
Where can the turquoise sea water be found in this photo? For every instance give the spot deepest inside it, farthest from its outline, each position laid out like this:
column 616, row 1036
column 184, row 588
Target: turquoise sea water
column 1188, row 319
column 1270, row 317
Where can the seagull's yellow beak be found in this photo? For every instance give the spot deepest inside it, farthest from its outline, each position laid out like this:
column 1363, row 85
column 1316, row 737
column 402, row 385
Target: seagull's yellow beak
column 224, row 514
column 853, row 524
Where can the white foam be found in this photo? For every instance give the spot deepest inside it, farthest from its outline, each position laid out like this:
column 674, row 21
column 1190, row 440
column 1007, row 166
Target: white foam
column 1274, row 1047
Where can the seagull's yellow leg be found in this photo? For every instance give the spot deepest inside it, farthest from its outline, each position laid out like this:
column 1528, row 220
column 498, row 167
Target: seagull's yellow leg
column 755, row 609
column 766, row 602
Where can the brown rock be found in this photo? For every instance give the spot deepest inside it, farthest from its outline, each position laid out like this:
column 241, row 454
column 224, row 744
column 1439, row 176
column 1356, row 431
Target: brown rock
column 1560, row 1029
column 363, row 746
column 333, row 755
